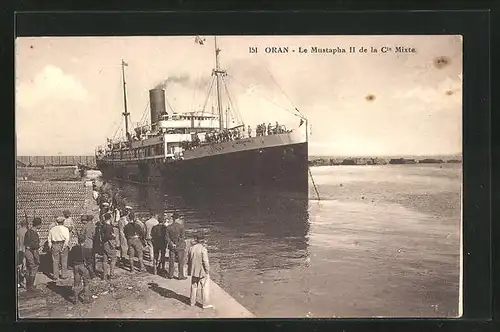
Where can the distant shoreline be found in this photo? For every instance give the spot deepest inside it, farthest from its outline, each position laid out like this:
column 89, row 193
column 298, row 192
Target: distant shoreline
column 360, row 161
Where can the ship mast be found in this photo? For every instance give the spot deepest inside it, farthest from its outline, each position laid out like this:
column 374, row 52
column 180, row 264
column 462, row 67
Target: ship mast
column 218, row 73
column 126, row 114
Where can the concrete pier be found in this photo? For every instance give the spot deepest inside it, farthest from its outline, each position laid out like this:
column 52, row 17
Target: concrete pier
column 129, row 296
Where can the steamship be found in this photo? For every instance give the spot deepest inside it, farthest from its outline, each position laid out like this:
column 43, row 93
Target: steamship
column 195, row 150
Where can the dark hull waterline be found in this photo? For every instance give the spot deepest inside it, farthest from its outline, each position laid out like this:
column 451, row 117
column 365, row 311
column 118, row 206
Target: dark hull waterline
column 280, row 168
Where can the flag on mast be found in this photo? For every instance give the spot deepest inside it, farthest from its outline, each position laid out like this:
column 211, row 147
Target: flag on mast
column 124, row 63
column 198, row 40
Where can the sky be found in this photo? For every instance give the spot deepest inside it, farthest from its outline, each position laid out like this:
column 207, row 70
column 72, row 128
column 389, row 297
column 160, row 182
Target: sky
column 69, row 95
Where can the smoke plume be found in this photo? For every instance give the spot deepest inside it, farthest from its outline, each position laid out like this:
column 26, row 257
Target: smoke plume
column 183, row 80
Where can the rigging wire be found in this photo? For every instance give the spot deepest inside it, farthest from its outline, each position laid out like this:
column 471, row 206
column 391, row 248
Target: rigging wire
column 144, row 120
column 208, row 94
column 282, row 91
column 169, row 105
column 237, row 112
column 247, row 87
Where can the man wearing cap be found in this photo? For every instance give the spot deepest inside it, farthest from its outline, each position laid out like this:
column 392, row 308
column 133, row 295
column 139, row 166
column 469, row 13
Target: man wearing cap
column 141, row 224
column 97, row 242
column 81, row 273
column 88, row 233
column 57, row 241
column 135, row 237
column 159, row 241
column 150, row 223
column 21, row 249
column 95, row 193
column 68, row 221
column 32, row 244
column 105, row 207
column 109, row 248
column 198, row 269
column 176, row 246
column 122, row 239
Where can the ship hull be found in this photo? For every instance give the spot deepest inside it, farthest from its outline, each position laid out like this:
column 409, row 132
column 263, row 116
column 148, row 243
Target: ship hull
column 282, row 168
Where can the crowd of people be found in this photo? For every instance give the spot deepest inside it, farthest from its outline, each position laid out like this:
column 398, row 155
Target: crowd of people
column 119, row 237
column 263, row 130
column 227, row 135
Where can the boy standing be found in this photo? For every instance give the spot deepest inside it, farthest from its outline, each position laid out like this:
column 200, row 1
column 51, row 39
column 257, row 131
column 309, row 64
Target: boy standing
column 32, row 244
column 80, row 270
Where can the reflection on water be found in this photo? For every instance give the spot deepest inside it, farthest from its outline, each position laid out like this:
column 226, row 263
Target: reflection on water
column 383, row 241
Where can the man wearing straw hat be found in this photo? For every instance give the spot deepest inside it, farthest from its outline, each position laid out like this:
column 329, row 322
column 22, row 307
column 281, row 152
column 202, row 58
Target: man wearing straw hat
column 199, row 269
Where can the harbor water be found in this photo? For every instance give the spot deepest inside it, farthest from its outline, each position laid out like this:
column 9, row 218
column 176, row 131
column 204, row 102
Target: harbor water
column 383, row 241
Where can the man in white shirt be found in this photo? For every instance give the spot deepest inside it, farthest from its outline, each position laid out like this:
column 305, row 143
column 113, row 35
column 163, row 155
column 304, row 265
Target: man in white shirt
column 153, row 221
column 58, row 241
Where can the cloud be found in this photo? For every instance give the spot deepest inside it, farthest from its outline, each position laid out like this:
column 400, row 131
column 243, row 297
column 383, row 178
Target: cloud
column 446, row 92
column 52, row 83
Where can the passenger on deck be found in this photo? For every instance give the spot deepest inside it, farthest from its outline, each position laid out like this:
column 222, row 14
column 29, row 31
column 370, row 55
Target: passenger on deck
column 249, row 131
